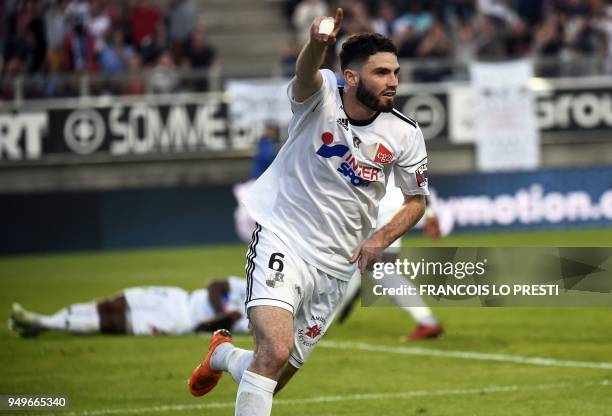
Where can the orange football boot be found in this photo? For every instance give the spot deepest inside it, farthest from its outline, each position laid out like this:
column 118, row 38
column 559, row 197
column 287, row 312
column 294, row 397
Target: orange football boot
column 425, row 332
column 204, row 379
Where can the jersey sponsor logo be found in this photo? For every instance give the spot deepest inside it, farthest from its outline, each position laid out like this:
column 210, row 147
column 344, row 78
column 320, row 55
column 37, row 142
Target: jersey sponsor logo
column 421, row 175
column 383, row 155
column 312, row 332
column 377, row 153
column 357, row 173
column 343, row 122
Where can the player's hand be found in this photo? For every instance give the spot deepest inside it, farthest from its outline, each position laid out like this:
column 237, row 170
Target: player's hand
column 432, row 228
column 327, row 39
column 370, row 252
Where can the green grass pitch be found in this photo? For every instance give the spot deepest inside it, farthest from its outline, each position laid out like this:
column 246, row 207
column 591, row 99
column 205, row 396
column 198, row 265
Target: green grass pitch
column 360, row 369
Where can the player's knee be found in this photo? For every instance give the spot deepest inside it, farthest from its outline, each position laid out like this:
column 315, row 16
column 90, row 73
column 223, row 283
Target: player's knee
column 279, row 354
column 273, row 356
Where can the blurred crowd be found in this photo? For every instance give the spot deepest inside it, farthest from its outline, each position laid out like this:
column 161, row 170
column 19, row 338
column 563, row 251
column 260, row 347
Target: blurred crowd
column 47, row 37
column 44, row 39
column 569, row 31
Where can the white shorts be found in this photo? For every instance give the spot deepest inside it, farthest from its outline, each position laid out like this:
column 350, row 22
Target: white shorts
column 157, row 310
column 276, row 276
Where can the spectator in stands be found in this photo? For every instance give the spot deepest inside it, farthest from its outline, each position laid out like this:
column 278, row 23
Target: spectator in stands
column 164, row 78
column 435, row 45
column 36, row 36
column 304, row 14
column 357, row 17
column 181, row 23
column 116, row 54
column 77, row 10
column 411, row 28
column 462, row 10
column 152, row 48
column 98, row 24
column 548, row 42
column 144, row 18
column 582, row 37
column 134, row 84
column 289, row 56
column 492, row 37
column 466, row 42
column 56, row 29
column 79, row 49
column 603, row 22
column 200, row 55
column 17, row 46
column 417, row 18
column 385, row 21
column 266, row 150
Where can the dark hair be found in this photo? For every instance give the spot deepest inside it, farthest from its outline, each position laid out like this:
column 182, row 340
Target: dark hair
column 360, row 46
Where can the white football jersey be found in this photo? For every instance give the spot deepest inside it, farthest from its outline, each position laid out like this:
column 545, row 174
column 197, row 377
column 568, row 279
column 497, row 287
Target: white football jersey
column 321, row 193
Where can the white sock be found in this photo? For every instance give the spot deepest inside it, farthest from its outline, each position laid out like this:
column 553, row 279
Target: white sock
column 231, row 359
column 418, row 309
column 81, row 318
column 254, row 396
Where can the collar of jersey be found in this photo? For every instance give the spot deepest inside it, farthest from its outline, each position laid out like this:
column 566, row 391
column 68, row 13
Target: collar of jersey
column 356, row 122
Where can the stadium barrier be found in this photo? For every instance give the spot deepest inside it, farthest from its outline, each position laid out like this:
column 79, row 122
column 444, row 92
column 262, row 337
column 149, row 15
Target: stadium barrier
column 178, row 216
column 167, row 125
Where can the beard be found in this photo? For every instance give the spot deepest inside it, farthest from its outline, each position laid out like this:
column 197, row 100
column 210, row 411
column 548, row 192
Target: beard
column 369, row 99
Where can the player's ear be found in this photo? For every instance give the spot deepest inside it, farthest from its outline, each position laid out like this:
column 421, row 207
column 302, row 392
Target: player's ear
column 351, row 77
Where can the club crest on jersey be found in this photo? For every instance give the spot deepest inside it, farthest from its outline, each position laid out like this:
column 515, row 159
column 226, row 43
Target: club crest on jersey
column 357, row 173
column 275, row 279
column 421, row 175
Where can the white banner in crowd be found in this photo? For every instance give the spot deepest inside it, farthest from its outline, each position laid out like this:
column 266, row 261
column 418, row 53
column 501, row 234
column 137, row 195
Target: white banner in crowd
column 253, row 102
column 507, row 135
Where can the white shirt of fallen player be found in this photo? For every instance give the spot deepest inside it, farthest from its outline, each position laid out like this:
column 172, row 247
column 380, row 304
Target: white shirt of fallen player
column 157, row 310
column 321, row 193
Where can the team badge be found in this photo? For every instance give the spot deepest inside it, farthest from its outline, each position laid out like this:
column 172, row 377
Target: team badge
column 421, row 175
column 275, row 279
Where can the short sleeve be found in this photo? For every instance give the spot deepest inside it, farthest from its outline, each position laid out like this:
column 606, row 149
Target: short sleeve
column 317, row 100
column 411, row 168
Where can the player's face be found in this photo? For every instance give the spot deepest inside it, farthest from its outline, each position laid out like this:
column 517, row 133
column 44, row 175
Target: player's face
column 378, row 82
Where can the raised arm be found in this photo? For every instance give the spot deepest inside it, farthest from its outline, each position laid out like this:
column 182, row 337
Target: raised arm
column 308, row 78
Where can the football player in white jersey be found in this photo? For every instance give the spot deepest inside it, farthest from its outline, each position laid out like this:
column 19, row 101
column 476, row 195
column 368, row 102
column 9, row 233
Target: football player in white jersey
column 428, row 326
column 150, row 310
column 316, row 207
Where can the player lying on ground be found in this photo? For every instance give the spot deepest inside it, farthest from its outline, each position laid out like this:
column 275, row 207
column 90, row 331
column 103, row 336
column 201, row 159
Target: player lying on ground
column 316, row 207
column 151, row 310
column 428, row 326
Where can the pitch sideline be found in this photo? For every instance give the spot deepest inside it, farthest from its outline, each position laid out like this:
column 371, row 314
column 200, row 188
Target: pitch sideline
column 331, row 399
column 468, row 355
